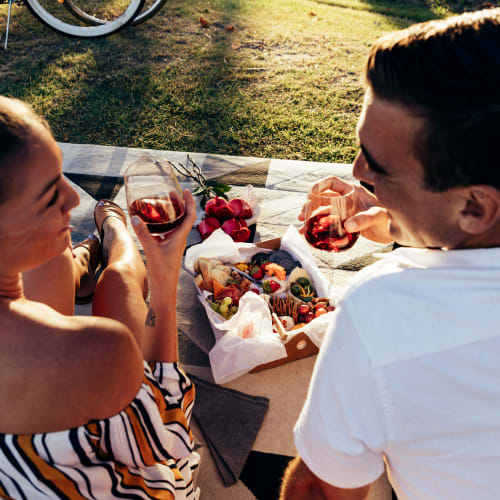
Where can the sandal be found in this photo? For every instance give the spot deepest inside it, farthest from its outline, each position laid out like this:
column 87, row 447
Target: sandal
column 93, row 246
column 103, row 210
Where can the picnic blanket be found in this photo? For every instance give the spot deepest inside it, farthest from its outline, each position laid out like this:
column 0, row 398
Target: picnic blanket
column 244, row 429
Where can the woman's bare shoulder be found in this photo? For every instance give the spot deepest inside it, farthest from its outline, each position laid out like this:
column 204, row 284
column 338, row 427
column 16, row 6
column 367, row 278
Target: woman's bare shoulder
column 66, row 370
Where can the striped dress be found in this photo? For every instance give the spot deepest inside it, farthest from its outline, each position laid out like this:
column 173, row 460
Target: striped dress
column 143, row 452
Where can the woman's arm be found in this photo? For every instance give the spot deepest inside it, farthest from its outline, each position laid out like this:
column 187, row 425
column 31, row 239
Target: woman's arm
column 164, row 259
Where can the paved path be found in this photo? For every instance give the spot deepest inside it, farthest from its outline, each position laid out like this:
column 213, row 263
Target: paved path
column 280, row 187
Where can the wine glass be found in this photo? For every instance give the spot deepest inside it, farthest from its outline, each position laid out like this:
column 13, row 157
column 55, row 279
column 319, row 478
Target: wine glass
column 154, row 194
column 326, row 211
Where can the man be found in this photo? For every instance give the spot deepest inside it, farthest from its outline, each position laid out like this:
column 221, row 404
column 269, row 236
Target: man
column 408, row 377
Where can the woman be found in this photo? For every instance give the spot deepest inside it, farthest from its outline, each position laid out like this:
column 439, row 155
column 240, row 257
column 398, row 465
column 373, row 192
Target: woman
column 82, row 414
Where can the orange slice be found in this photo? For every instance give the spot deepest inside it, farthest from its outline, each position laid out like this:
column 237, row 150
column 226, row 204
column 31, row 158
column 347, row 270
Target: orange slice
column 276, row 270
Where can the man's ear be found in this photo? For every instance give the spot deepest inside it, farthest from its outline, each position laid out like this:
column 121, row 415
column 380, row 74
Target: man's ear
column 482, row 209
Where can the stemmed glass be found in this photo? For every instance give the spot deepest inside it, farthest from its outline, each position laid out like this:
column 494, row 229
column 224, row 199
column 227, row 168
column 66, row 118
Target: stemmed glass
column 154, row 194
column 327, row 209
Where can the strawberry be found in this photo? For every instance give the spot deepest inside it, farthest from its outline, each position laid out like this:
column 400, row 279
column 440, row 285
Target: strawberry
column 274, row 286
column 256, row 273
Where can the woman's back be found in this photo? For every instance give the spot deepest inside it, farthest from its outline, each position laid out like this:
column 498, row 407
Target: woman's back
column 51, row 363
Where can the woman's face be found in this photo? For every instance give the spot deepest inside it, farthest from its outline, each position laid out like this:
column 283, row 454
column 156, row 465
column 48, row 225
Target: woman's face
column 34, row 222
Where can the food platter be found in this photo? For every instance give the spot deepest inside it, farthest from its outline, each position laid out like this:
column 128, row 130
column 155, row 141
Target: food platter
column 261, row 301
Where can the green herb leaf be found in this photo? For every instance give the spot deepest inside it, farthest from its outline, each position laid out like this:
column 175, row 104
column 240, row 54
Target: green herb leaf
column 219, row 186
column 220, row 193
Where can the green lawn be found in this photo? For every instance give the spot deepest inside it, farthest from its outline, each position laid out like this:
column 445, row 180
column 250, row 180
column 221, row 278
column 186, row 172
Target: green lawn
column 285, row 83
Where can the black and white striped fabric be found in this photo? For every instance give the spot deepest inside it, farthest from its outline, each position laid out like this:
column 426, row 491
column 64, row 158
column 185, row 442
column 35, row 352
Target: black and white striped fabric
column 143, row 452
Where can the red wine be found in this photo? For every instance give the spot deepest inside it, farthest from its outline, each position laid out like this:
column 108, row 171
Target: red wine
column 160, row 214
column 326, row 232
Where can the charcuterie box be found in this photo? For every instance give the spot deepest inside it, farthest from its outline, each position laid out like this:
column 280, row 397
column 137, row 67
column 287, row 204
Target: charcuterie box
column 267, row 303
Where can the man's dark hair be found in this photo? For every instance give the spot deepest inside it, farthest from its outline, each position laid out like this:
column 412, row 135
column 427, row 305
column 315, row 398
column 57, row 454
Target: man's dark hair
column 448, row 73
column 16, row 130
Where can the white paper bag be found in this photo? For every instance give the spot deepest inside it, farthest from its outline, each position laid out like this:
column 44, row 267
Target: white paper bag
column 248, row 341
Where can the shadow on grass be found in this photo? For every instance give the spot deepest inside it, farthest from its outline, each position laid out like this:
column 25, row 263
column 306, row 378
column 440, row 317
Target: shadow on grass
column 167, row 84
column 402, row 13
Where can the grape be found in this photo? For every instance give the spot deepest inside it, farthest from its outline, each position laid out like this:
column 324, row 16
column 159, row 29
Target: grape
column 223, row 308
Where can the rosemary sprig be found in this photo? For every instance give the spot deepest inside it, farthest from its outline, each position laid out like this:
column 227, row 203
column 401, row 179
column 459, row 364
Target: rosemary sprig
column 205, row 189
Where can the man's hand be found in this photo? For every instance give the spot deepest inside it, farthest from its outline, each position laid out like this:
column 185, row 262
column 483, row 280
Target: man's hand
column 371, row 219
column 299, row 483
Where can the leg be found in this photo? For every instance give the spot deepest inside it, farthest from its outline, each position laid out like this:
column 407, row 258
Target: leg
column 53, row 283
column 122, row 286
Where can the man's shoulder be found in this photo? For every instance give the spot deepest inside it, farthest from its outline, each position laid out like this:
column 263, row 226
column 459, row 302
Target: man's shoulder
column 402, row 308
column 385, row 273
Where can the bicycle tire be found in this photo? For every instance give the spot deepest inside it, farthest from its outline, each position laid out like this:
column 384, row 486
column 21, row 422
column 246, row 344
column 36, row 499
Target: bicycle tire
column 140, row 18
column 99, row 31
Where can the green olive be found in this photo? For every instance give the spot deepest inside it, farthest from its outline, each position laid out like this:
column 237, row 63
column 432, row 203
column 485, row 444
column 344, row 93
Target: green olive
column 303, row 281
column 295, row 289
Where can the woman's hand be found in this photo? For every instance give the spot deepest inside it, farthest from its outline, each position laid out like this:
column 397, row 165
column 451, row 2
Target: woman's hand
column 164, row 259
column 164, row 256
column 371, row 218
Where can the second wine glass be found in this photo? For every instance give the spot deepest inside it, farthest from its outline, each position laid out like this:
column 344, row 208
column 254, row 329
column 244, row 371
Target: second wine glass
column 326, row 212
column 154, row 194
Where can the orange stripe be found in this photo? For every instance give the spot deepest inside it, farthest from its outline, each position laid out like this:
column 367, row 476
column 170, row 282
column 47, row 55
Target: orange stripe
column 49, row 473
column 140, row 436
column 129, row 479
column 93, row 428
column 189, row 397
column 177, row 473
column 158, row 395
column 174, row 414
column 177, row 415
column 3, row 494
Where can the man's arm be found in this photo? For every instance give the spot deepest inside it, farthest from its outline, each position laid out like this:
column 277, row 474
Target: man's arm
column 300, row 483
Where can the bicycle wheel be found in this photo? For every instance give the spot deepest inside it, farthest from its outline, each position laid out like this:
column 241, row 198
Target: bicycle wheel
column 118, row 16
column 74, row 8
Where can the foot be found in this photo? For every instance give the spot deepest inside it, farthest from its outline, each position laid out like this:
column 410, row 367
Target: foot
column 87, row 255
column 107, row 212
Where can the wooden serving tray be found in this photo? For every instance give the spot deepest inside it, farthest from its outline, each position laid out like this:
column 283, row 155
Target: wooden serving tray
column 297, row 346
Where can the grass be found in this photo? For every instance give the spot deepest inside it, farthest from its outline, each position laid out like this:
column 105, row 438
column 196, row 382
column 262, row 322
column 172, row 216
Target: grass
column 284, row 83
